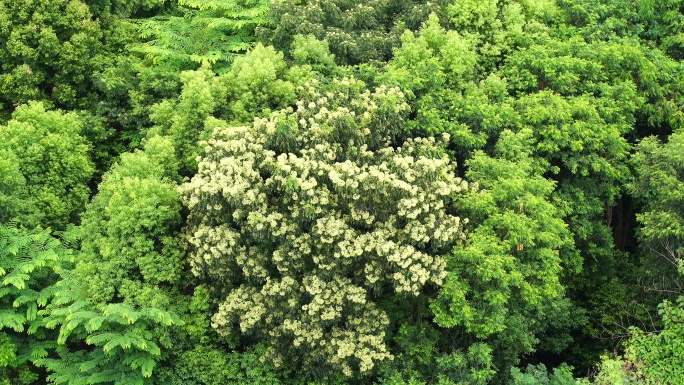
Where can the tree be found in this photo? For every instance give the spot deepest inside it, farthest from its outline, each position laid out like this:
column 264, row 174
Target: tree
column 496, row 28
column 356, row 32
column 47, row 51
column 124, row 343
column 257, row 83
column 202, row 31
column 114, row 300
column 660, row 182
column 124, row 8
column 48, row 167
column 504, row 284
column 128, row 230
column 303, row 222
column 182, row 120
column 261, row 82
column 30, row 264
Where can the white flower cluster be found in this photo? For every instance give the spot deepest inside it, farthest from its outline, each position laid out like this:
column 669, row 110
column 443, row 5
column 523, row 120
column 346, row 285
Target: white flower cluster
column 303, row 215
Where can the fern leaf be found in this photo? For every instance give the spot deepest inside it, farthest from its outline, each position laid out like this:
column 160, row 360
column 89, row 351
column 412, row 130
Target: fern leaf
column 147, row 367
column 95, row 323
column 12, row 320
column 16, row 279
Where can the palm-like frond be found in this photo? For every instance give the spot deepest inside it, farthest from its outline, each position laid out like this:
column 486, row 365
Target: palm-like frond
column 207, row 31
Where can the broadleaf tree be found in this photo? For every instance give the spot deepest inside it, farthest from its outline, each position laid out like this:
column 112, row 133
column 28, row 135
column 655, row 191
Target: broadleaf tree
column 303, row 221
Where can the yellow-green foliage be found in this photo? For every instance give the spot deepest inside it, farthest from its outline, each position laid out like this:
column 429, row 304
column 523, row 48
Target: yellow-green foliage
column 358, row 32
column 47, row 50
column 128, row 229
column 260, row 82
column 47, row 165
column 661, row 181
column 30, row 262
column 497, row 27
column 182, row 120
column 304, row 220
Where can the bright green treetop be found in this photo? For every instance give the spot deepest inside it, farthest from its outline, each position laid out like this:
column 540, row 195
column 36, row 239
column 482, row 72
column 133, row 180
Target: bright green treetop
column 48, row 167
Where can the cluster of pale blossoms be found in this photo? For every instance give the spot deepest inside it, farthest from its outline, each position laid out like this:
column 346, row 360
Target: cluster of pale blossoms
column 302, row 242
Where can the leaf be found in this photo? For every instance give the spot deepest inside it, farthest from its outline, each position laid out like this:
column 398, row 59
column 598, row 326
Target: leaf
column 31, row 312
column 12, row 320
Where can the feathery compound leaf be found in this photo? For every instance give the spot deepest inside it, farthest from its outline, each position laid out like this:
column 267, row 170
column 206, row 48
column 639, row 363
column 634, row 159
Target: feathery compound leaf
column 31, row 312
column 101, row 339
column 95, row 323
column 16, row 279
column 12, row 320
column 147, row 366
column 210, row 31
column 121, row 313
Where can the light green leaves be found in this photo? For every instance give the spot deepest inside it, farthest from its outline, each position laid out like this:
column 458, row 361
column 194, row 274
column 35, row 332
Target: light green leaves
column 47, row 51
column 513, row 253
column 122, row 337
column 52, row 167
column 660, row 182
column 203, row 32
column 29, row 264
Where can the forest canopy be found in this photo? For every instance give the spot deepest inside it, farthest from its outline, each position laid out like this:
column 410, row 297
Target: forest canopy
column 303, row 192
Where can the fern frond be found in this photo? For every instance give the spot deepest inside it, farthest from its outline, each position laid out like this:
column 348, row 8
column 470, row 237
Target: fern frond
column 12, row 320
column 101, row 339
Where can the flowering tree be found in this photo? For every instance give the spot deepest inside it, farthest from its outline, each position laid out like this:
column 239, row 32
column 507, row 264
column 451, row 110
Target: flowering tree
column 305, row 221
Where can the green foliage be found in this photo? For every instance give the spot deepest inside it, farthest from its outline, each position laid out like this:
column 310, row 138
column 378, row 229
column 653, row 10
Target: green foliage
column 203, row 31
column 124, row 8
column 30, row 262
column 257, row 83
column 357, row 32
column 321, row 235
column 183, row 121
column 432, row 68
column 12, row 186
column 504, row 283
column 128, row 89
column 538, row 375
column 571, row 65
column 211, row 366
column 581, row 100
column 618, row 89
column 659, row 22
column 261, row 82
column 660, row 182
column 498, row 27
column 114, row 301
column 128, row 231
column 616, row 370
column 660, row 353
column 47, row 51
column 307, row 50
column 302, row 222
column 424, row 357
column 124, row 341
column 46, row 160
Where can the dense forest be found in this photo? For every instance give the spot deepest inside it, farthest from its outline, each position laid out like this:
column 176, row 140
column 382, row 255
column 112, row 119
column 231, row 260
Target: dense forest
column 301, row 192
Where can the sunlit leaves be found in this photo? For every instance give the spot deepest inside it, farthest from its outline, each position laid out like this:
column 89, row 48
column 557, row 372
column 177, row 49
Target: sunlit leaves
column 47, row 51
column 29, row 265
column 203, row 31
column 48, row 182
